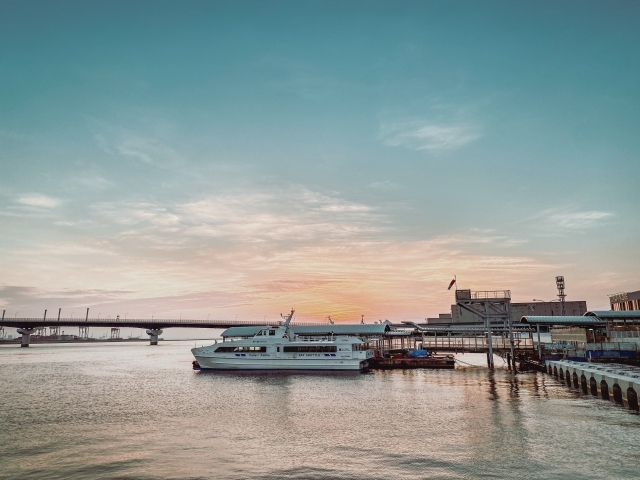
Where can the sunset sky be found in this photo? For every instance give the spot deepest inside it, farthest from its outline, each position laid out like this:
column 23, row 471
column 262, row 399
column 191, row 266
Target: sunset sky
column 343, row 158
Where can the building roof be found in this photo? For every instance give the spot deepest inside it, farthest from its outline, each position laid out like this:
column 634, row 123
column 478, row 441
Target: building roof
column 241, row 331
column 320, row 329
column 563, row 320
column 615, row 315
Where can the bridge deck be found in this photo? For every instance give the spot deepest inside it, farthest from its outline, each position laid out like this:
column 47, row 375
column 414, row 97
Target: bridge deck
column 132, row 322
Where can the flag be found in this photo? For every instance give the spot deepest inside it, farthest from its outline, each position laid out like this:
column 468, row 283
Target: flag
column 451, row 284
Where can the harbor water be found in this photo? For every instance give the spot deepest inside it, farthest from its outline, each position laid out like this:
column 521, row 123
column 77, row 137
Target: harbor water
column 104, row 411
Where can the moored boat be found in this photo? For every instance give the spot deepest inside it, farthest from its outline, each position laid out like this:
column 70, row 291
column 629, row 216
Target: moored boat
column 277, row 348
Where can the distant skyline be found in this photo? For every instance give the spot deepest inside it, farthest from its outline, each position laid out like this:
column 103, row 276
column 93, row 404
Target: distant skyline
column 343, row 158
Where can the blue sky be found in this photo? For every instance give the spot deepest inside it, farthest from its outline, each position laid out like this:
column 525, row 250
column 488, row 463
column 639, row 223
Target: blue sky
column 345, row 158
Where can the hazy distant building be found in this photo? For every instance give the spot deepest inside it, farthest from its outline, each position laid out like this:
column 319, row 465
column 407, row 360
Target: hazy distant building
column 442, row 318
column 625, row 301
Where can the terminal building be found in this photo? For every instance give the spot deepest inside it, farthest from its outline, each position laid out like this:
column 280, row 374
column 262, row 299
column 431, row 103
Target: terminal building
column 518, row 310
column 625, row 301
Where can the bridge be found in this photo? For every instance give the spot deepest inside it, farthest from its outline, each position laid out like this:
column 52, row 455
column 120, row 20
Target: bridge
column 154, row 327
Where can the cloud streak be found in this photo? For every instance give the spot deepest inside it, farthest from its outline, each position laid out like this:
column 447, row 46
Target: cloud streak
column 567, row 219
column 289, row 215
column 426, row 136
column 258, row 252
column 38, row 200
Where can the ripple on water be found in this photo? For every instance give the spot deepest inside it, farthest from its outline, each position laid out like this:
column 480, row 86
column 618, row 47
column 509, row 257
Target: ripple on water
column 136, row 411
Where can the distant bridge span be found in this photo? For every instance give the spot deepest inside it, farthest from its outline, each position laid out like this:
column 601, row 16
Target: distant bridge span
column 27, row 326
column 132, row 322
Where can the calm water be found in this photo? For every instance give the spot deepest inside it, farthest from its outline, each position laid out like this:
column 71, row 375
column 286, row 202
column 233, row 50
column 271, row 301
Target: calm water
column 136, row 411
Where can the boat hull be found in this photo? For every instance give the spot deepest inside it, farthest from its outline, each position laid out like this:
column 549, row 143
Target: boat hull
column 244, row 363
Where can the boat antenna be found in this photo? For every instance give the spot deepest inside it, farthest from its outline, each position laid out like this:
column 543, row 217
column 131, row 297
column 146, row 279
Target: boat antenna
column 287, row 321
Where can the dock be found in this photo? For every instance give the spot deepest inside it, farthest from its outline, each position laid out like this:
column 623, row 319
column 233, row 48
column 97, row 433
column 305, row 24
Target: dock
column 616, row 382
column 402, row 363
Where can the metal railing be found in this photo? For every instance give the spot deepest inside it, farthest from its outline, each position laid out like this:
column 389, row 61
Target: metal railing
column 482, row 295
column 475, row 343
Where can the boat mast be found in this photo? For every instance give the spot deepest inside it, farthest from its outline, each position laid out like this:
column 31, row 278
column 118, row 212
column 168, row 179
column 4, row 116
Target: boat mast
column 286, row 324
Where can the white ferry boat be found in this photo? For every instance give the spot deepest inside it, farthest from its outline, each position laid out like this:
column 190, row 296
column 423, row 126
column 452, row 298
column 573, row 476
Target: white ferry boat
column 276, row 348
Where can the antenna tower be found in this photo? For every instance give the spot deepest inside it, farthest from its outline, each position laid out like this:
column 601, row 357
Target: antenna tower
column 561, row 294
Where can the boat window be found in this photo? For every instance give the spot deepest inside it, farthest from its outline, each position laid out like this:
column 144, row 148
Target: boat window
column 259, row 333
column 272, row 332
column 310, row 348
column 240, row 349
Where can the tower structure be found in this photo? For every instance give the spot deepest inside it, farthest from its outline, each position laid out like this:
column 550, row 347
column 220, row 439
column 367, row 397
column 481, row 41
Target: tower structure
column 561, row 294
column 493, row 307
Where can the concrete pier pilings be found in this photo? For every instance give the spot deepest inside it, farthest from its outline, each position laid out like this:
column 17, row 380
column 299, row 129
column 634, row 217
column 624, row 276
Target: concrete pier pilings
column 153, row 335
column 26, row 335
column 616, row 382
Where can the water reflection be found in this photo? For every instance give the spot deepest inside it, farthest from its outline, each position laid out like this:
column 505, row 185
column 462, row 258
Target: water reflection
column 114, row 412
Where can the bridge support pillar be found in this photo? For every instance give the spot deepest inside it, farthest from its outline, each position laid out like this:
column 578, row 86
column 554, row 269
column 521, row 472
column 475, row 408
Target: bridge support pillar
column 26, row 335
column 153, row 336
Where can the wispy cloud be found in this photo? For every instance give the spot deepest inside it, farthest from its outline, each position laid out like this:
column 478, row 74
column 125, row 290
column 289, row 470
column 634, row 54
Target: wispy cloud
column 290, row 215
column 94, row 182
column 38, row 200
column 581, row 220
column 423, row 135
column 149, row 151
column 149, row 147
column 256, row 251
column 383, row 185
column 567, row 218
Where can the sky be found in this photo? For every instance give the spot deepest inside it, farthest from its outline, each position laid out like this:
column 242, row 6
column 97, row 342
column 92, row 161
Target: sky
column 238, row 159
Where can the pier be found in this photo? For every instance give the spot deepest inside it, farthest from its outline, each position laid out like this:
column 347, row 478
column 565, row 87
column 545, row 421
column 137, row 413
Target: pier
column 620, row 383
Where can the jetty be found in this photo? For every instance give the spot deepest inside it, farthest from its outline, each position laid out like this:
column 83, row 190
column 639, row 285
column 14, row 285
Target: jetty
column 613, row 381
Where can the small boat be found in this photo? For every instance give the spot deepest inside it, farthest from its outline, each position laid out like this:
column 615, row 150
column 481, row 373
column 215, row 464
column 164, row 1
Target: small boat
column 276, row 348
